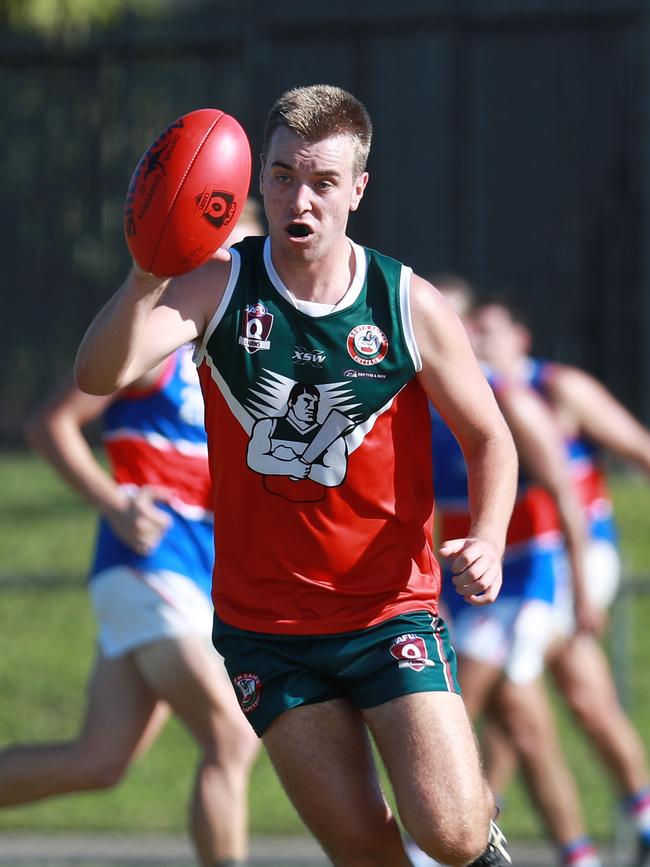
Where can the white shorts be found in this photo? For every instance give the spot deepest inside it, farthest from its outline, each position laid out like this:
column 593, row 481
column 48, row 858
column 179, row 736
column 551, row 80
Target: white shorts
column 511, row 634
column 603, row 573
column 136, row 608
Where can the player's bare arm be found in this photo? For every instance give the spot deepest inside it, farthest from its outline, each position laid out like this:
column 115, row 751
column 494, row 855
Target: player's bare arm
column 145, row 321
column 542, row 453
column 54, row 430
column 590, row 409
column 456, row 386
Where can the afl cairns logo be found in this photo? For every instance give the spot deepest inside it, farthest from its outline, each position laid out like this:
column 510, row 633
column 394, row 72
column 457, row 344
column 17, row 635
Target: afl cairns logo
column 367, row 344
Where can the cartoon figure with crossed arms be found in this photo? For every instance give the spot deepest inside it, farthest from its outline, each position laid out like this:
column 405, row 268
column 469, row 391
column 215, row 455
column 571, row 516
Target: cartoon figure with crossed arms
column 298, row 448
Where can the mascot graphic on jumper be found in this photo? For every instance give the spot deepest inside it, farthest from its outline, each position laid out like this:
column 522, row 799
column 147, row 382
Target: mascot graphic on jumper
column 298, row 455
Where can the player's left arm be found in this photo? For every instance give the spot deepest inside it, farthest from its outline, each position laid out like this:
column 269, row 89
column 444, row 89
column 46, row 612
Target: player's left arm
column 599, row 415
column 455, row 384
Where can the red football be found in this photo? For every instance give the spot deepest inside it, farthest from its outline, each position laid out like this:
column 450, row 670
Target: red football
column 187, row 192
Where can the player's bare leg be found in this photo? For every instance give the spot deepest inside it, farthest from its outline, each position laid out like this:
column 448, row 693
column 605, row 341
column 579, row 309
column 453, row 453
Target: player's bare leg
column 122, row 719
column 322, row 755
column 477, row 680
column 525, row 714
column 190, row 676
column 445, row 806
column 500, row 758
column 583, row 675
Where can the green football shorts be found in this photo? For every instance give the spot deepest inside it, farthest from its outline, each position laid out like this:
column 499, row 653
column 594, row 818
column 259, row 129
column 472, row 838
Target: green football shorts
column 273, row 673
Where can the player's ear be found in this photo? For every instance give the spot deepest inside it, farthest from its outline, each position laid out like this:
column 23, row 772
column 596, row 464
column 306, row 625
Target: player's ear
column 262, row 164
column 358, row 190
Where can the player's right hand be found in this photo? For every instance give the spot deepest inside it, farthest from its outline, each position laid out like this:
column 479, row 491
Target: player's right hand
column 146, row 276
column 476, row 569
column 140, row 523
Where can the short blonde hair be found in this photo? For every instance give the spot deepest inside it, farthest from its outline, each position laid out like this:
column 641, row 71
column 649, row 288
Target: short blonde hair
column 322, row 110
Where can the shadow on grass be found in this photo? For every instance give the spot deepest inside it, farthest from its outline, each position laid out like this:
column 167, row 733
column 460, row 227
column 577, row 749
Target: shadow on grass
column 34, row 582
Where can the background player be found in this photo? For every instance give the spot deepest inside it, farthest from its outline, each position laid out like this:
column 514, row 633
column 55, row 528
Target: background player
column 150, row 589
column 501, row 649
column 591, row 419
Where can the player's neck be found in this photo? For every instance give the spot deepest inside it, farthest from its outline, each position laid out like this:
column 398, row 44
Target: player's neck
column 325, row 280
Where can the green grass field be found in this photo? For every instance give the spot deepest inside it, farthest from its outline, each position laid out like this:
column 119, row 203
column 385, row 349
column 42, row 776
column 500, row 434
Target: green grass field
column 47, row 645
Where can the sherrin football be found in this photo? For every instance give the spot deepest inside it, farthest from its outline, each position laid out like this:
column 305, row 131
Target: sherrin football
column 187, row 192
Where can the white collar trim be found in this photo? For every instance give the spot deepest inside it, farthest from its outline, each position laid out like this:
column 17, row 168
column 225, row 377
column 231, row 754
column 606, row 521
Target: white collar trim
column 316, row 308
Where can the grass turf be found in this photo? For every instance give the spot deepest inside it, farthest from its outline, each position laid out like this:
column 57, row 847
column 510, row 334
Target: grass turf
column 47, row 639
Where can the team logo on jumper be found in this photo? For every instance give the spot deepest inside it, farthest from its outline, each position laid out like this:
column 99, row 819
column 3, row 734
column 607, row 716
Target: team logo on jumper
column 217, row 207
column 411, row 652
column 256, row 325
column 248, row 688
column 367, row 344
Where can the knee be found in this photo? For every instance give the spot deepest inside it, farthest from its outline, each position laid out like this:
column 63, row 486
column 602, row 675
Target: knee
column 233, row 744
column 455, row 833
column 100, row 771
column 455, row 845
column 107, row 776
column 584, row 706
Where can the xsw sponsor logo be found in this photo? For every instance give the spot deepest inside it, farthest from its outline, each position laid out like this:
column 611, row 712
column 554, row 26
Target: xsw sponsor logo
column 314, row 357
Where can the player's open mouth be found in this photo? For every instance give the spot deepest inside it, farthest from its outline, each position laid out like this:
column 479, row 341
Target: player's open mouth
column 299, row 230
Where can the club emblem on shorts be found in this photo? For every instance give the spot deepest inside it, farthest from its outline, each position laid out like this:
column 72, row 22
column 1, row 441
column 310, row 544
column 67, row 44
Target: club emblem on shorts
column 256, row 325
column 411, row 652
column 248, row 688
column 367, row 344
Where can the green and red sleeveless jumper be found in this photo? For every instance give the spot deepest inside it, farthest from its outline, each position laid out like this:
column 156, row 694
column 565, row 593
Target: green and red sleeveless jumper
column 320, row 452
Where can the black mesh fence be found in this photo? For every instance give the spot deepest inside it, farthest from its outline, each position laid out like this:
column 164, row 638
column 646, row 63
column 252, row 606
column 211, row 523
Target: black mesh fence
column 511, row 146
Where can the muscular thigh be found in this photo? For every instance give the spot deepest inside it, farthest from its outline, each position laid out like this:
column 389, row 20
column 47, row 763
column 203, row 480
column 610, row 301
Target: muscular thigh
column 123, row 715
column 430, row 753
column 525, row 714
column 189, row 674
column 580, row 667
column 322, row 755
